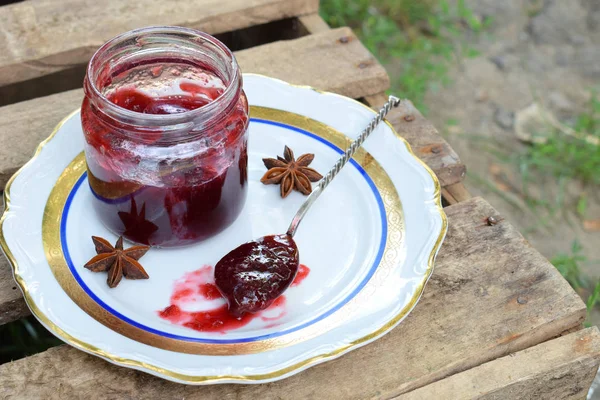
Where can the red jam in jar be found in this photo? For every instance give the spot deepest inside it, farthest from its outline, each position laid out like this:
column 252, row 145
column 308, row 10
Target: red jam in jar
column 165, row 121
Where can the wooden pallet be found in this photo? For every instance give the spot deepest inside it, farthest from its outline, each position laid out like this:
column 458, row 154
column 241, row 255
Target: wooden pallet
column 490, row 322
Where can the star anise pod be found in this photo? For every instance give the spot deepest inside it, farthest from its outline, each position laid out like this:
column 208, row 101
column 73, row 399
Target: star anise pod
column 136, row 225
column 291, row 173
column 117, row 261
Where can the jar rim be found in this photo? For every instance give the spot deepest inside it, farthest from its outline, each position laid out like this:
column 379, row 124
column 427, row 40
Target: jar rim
column 185, row 117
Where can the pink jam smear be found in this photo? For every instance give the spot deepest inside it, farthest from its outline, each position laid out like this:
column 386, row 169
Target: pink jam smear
column 303, row 271
column 197, row 288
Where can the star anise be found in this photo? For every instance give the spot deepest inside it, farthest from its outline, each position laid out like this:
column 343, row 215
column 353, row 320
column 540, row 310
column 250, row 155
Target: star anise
column 291, row 173
column 136, row 225
column 117, row 261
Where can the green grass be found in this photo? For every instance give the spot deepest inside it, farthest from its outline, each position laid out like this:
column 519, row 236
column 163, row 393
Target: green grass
column 534, row 8
column 562, row 159
column 592, row 302
column 569, row 157
column 417, row 40
column 569, row 266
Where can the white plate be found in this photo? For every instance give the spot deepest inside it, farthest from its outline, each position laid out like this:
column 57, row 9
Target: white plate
column 369, row 241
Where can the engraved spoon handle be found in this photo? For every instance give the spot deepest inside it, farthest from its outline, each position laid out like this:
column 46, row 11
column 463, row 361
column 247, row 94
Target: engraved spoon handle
column 391, row 103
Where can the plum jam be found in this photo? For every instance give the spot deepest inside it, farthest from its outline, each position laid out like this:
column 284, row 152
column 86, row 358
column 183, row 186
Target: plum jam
column 252, row 276
column 165, row 121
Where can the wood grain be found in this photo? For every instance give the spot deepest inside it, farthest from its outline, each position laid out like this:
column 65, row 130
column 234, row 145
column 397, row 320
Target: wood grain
column 424, row 139
column 491, row 294
column 24, row 125
column 71, row 78
column 333, row 60
column 39, row 37
column 562, row 368
column 313, row 23
column 350, row 70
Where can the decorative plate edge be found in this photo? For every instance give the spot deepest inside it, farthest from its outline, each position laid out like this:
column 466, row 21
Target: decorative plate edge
column 205, row 380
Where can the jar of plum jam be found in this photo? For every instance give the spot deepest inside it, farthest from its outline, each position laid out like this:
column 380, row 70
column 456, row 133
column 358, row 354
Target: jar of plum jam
column 165, row 121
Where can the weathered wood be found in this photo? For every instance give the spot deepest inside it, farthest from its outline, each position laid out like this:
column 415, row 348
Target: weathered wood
column 562, row 368
column 424, row 139
column 24, row 125
column 39, row 37
column 491, row 294
column 350, row 70
column 71, row 78
column 333, row 60
column 313, row 23
column 456, row 193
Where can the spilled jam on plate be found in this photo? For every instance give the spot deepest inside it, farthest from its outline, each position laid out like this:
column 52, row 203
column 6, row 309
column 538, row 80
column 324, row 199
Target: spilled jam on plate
column 197, row 289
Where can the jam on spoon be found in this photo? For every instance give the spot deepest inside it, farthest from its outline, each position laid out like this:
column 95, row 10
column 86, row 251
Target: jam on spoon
column 253, row 275
column 256, row 273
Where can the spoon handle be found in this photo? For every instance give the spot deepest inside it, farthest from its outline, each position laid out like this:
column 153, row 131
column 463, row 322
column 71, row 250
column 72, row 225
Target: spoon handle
column 391, row 103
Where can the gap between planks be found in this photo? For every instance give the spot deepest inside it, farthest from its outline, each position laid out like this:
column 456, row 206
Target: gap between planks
column 39, row 37
column 491, row 294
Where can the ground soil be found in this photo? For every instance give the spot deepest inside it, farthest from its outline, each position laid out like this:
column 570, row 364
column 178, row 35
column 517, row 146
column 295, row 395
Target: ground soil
column 534, row 51
column 545, row 51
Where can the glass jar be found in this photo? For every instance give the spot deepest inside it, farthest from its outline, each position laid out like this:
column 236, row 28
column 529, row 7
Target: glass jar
column 165, row 122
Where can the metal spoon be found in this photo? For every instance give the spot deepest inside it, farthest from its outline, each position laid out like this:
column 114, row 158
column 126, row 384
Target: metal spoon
column 254, row 274
column 323, row 183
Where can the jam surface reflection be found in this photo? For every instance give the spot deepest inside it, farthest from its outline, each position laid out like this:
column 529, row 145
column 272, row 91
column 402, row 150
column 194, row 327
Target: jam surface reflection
column 153, row 189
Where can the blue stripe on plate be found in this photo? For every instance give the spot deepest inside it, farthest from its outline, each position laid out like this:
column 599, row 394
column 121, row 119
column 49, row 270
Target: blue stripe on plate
column 117, row 314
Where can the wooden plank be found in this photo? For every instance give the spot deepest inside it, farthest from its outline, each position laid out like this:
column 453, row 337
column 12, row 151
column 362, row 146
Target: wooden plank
column 313, row 23
column 24, row 125
column 491, row 294
column 424, row 139
column 39, row 37
column 563, row 368
column 456, row 193
column 332, row 60
column 71, row 78
column 350, row 70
